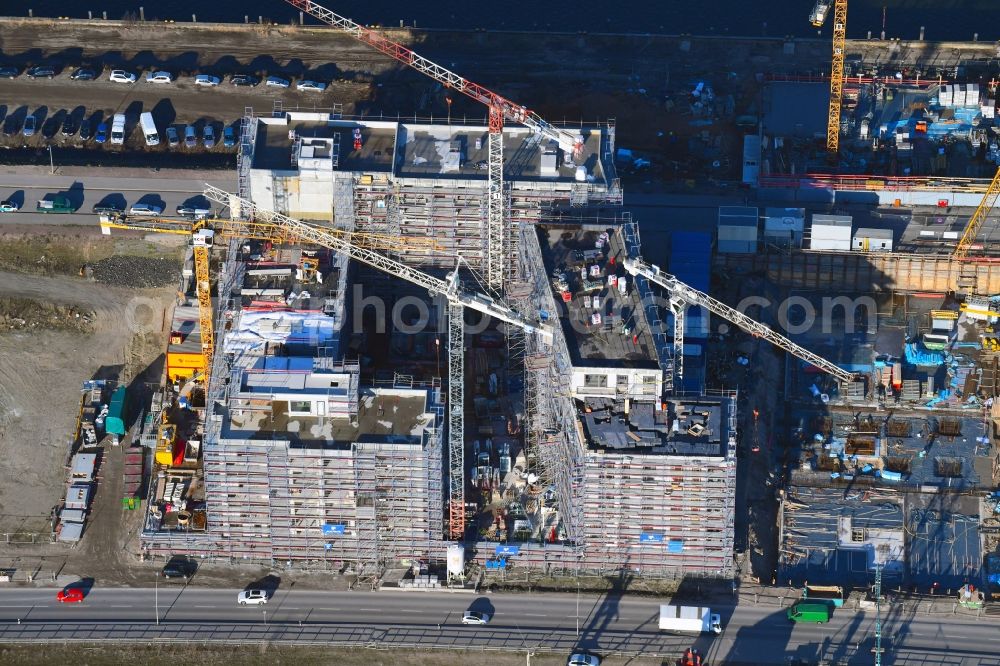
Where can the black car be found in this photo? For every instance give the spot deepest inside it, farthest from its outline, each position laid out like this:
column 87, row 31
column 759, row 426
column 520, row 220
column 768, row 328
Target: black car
column 244, row 80
column 83, row 74
column 108, row 208
column 9, row 72
column 11, row 126
column 179, row 567
column 85, row 131
column 68, row 127
column 41, row 72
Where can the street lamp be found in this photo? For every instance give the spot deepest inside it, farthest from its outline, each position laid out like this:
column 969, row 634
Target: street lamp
column 156, row 596
column 52, row 164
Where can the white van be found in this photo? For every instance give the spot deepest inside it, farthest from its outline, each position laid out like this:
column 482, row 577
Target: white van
column 118, row 129
column 149, row 129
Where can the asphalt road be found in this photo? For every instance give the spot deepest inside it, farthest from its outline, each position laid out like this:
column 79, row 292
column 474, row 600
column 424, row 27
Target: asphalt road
column 85, row 191
column 753, row 634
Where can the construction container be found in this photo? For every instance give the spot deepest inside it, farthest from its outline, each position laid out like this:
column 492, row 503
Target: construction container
column 872, row 240
column 751, row 160
column 784, row 227
column 115, row 423
column 738, row 230
column 830, row 232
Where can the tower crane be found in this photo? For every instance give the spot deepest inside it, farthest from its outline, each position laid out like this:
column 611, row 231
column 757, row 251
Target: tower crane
column 202, row 233
column 500, row 108
column 682, row 295
column 458, row 298
column 817, row 17
column 977, row 219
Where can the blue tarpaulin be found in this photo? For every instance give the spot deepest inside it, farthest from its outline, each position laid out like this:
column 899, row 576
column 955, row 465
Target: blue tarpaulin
column 917, row 355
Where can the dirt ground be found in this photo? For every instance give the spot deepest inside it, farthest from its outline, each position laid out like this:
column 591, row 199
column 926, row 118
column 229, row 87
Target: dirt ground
column 41, row 370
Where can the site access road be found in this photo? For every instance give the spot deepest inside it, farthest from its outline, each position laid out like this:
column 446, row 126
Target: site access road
column 754, row 634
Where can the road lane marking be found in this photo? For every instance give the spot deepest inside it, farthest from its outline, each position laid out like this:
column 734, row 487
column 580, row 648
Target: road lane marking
column 533, row 615
column 371, row 610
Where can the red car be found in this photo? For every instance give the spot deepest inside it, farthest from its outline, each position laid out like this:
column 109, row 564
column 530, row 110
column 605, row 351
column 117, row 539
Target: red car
column 70, row 595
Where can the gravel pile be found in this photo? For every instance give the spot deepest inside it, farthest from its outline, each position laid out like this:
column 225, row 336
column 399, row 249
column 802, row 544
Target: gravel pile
column 137, row 272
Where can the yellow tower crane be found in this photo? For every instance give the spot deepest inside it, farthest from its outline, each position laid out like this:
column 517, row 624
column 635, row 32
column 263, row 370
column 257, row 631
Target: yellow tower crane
column 977, row 219
column 202, row 233
column 818, row 17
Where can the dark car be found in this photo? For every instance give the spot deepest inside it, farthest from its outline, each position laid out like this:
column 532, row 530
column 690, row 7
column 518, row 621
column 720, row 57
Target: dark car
column 244, row 80
column 83, row 74
column 179, row 567
column 85, row 131
column 9, row 72
column 41, row 72
column 68, row 127
column 108, row 208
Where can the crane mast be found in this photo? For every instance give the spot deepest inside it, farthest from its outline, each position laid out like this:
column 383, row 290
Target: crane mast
column 681, row 295
column 836, row 78
column 332, row 239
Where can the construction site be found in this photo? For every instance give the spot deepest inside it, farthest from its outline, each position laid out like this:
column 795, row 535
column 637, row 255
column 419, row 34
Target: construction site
column 439, row 346
column 449, row 346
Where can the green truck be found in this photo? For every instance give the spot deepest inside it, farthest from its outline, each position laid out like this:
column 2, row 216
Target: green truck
column 810, row 612
column 55, row 205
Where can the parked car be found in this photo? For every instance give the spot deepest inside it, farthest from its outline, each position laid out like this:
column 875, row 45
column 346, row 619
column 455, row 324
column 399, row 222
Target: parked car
column 312, row 86
column 475, row 617
column 102, row 133
column 41, row 72
column 121, row 76
column 82, row 74
column 108, row 208
column 30, row 125
column 55, row 205
column 252, row 597
column 85, row 130
column 206, row 80
column 8, row 206
column 276, row 81
column 190, row 137
column 195, row 212
column 179, row 567
column 243, row 80
column 159, row 77
column 172, row 138
column 70, row 595
column 145, row 209
column 69, row 126
column 581, row 659
column 9, row 72
column 229, row 137
column 208, row 136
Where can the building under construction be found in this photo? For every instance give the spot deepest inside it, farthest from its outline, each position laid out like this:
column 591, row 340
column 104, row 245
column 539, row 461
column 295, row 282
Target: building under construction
column 316, row 446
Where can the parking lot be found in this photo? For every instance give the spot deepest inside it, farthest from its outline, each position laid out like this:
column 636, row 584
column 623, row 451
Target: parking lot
column 67, row 113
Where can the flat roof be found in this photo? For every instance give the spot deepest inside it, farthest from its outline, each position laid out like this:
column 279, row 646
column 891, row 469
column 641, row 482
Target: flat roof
column 568, row 250
column 696, row 426
column 832, row 220
column 874, row 233
column 397, row 416
column 738, row 216
column 273, row 146
column 423, row 150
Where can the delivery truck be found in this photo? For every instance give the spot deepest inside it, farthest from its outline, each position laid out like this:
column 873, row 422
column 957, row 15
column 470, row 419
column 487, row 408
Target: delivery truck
column 690, row 619
column 805, row 611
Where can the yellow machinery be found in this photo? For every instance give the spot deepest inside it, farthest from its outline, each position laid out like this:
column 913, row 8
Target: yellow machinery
column 165, row 438
column 203, row 232
column 977, row 219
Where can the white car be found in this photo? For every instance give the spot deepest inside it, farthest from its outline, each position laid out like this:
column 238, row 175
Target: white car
column 159, row 77
column 314, row 86
column 475, row 617
column 252, row 597
column 145, row 209
column 206, row 80
column 276, row 82
column 581, row 659
column 121, row 76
